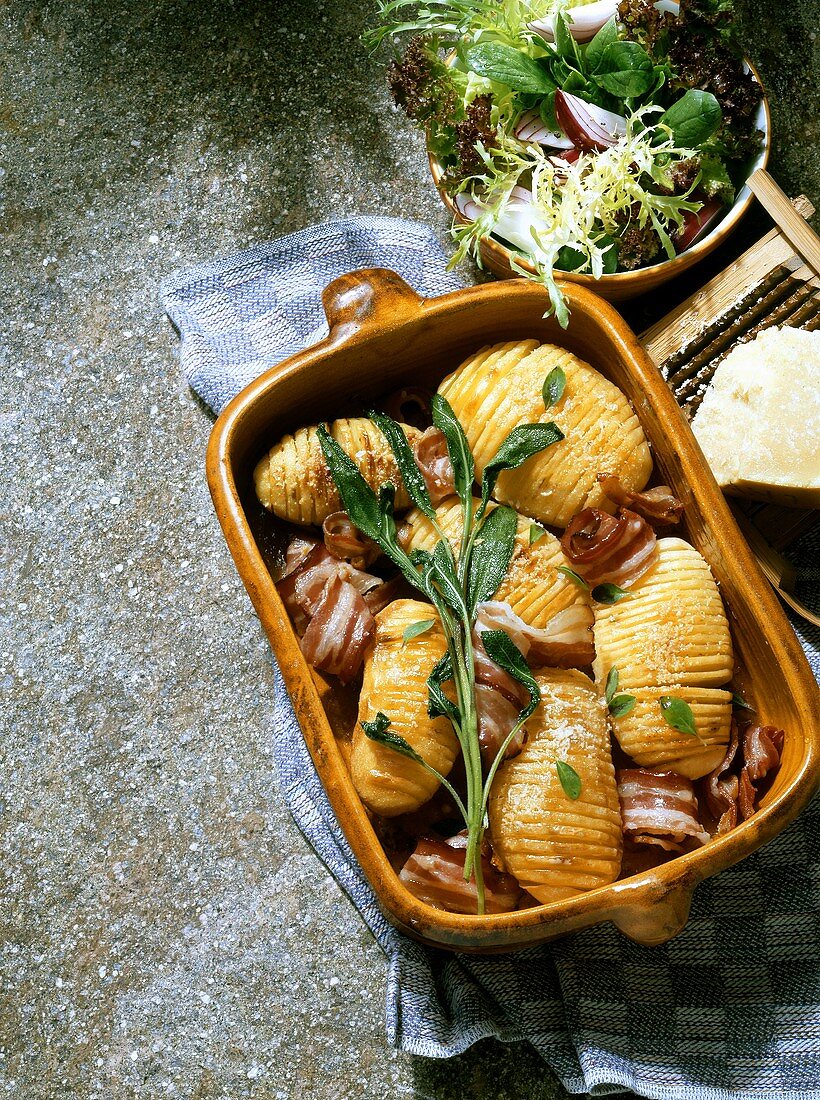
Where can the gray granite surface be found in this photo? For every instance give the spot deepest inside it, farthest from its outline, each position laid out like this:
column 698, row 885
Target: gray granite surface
column 165, row 930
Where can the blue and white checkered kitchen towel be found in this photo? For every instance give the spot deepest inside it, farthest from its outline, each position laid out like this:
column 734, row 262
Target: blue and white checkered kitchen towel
column 731, row 1007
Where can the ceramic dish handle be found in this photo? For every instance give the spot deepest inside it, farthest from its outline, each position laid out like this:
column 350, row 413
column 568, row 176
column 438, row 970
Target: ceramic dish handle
column 655, row 917
column 363, row 299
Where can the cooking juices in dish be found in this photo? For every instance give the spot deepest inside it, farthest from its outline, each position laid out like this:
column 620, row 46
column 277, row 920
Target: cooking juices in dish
column 545, row 702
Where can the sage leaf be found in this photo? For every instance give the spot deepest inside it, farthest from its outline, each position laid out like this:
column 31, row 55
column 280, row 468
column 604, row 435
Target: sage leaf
column 678, row 714
column 693, row 119
column 415, row 629
column 411, row 475
column 446, row 579
column 508, row 65
column 536, row 532
column 457, row 446
column 576, row 578
column 740, row 702
column 611, row 684
column 608, row 593
column 502, row 649
column 625, row 70
column 437, row 702
column 569, row 778
column 553, row 388
column 605, row 37
column 360, row 502
column 522, row 443
column 490, row 559
column 621, row 705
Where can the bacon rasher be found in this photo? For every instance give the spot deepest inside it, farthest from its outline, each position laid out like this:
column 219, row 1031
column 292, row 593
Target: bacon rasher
column 752, row 754
column 344, row 541
column 659, row 808
column 434, row 874
column 615, row 549
column 327, row 599
column 338, row 634
column 565, row 642
column 433, row 460
column 658, row 505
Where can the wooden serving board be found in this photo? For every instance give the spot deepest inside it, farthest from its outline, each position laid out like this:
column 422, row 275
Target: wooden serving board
column 774, row 283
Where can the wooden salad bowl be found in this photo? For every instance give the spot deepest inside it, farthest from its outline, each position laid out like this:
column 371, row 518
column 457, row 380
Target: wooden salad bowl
column 384, row 336
column 621, row 286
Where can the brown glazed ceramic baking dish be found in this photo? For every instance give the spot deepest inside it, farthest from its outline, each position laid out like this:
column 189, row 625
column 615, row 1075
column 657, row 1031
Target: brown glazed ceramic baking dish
column 383, row 336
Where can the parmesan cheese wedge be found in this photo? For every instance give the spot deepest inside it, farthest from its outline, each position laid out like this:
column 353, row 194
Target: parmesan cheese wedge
column 759, row 422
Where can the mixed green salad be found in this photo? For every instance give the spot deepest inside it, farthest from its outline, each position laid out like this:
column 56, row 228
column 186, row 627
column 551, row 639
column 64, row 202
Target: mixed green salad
column 589, row 137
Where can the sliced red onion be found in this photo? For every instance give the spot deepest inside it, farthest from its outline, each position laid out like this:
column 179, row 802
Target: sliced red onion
column 590, row 127
column 530, row 127
column 697, row 223
column 584, row 22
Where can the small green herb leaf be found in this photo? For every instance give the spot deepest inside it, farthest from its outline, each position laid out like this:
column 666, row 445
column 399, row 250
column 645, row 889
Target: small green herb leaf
column 576, row 578
column 503, row 650
column 509, row 65
column 611, row 684
column 605, row 37
column 608, row 593
column 566, row 45
column 678, row 714
column 410, row 473
column 620, row 705
column 457, row 446
column 569, row 778
column 693, row 119
column 379, row 730
column 625, row 70
column 438, row 703
column 522, row 443
column 536, row 532
column 740, row 702
column 553, row 388
column 492, row 552
column 414, row 629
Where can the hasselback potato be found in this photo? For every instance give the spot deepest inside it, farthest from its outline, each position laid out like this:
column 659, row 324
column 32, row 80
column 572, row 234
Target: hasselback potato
column 500, row 387
column 555, row 846
column 670, row 637
column 293, row 481
column 395, row 683
column 533, row 586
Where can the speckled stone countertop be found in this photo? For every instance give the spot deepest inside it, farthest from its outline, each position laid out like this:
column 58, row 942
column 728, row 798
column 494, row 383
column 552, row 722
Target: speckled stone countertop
column 165, row 929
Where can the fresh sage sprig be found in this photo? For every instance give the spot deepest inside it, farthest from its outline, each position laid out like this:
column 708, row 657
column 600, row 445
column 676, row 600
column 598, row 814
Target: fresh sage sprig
column 455, row 582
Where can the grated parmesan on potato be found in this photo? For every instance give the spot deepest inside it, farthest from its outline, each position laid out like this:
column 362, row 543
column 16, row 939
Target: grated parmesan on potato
column 759, row 423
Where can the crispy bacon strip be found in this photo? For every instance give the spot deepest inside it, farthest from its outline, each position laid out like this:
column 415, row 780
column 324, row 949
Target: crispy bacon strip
column 731, row 791
column 434, row 874
column 433, row 459
column 659, row 808
column 332, row 605
column 618, row 549
column 302, row 587
column 339, row 630
column 410, row 405
column 722, row 788
column 496, row 717
column 659, row 505
column 565, row 642
column 346, row 542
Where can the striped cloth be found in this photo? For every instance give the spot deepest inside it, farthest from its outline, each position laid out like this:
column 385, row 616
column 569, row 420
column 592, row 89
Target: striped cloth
column 731, row 1007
